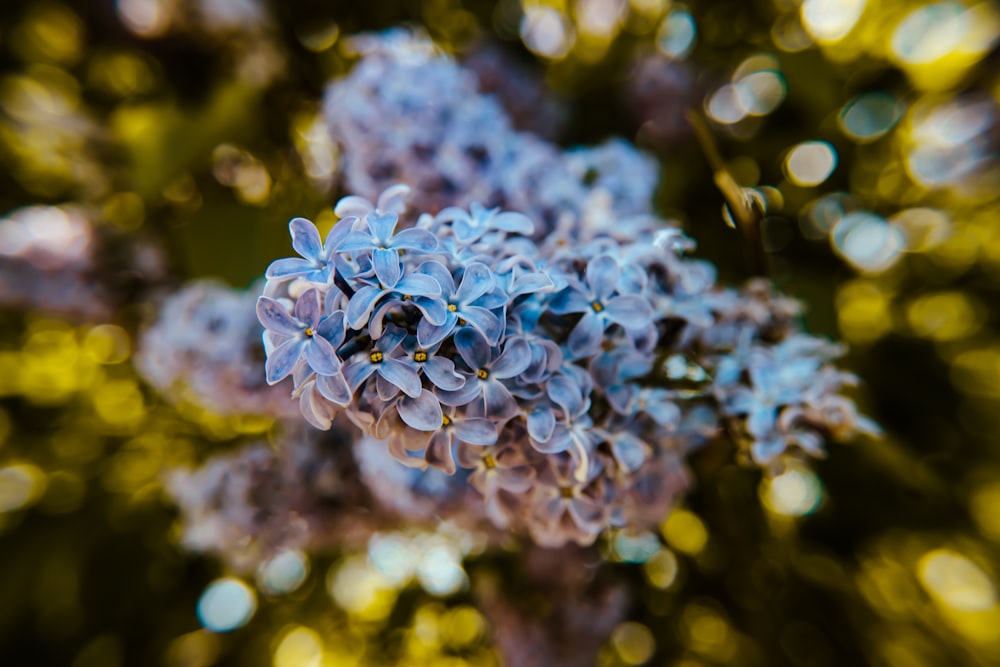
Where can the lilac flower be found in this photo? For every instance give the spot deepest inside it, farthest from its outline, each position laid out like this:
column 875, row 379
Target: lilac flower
column 461, row 304
column 382, row 360
column 483, row 388
column 594, row 298
column 307, row 336
column 384, row 244
column 772, row 387
column 469, row 226
column 438, row 442
column 391, row 280
column 318, row 263
column 439, row 369
column 564, row 507
column 499, row 472
column 572, row 430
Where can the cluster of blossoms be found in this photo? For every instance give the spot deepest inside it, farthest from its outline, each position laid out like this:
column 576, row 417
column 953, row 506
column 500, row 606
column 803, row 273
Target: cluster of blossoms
column 566, row 378
column 391, row 129
column 205, row 348
column 48, row 261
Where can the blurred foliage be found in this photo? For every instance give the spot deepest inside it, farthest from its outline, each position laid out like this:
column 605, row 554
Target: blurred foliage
column 868, row 130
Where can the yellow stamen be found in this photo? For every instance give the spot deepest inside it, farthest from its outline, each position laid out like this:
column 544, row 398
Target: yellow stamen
column 489, row 462
column 566, row 492
column 407, row 297
column 445, row 420
column 596, row 305
column 452, row 307
column 420, row 356
column 482, row 374
column 375, row 357
column 309, row 332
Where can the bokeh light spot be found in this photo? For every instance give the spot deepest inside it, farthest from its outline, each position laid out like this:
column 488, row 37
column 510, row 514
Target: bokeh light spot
column 661, row 569
column 21, row 485
column 955, row 581
column 546, row 32
column 830, row 20
column 685, row 532
column 676, row 36
column 227, row 604
column 283, row 573
column 300, row 647
column 810, row 163
column 796, row 492
column 867, row 241
column 870, row 115
column 633, row 642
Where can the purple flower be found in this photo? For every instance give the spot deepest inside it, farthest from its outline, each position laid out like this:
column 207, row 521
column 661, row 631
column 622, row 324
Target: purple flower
column 483, row 388
column 383, row 243
column 468, row 226
column 572, row 429
column 438, row 439
column 318, row 263
column 594, row 299
column 307, row 336
column 391, row 280
column 461, row 304
column 382, row 360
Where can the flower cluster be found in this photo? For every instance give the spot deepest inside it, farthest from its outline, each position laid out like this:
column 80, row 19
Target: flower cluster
column 391, row 129
column 204, row 347
column 567, row 379
column 48, row 262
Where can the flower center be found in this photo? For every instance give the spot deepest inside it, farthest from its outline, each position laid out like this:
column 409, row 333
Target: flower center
column 461, row 322
column 489, row 462
column 566, row 491
column 482, row 374
column 407, row 297
column 596, row 305
column 309, row 332
column 420, row 356
column 452, row 308
column 375, row 357
column 445, row 420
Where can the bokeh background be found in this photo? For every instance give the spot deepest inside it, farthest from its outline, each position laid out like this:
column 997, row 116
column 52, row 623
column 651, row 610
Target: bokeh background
column 149, row 142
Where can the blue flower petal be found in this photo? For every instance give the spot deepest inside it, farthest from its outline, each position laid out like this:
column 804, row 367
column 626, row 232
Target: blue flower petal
column 441, row 373
column 305, row 239
column 541, row 423
column 333, row 327
column 274, row 317
column 308, row 308
column 510, row 221
column 482, row 432
column 629, row 451
column 400, row 374
column 381, row 226
column 463, row 396
column 415, row 239
column 417, row 284
column 473, row 349
column 353, row 206
column 566, row 393
column 429, row 334
column 489, row 325
column 357, row 242
column 360, row 307
column 515, row 359
column 318, row 412
column 433, row 309
column 569, row 300
column 476, row 281
column 357, row 371
column 602, row 275
column 334, row 388
column 440, row 452
column 321, row 356
column 585, row 338
column 499, row 403
column 282, row 360
column 393, row 198
column 422, row 413
column 631, row 312
column 441, row 274
column 288, row 268
column 337, row 234
column 387, row 267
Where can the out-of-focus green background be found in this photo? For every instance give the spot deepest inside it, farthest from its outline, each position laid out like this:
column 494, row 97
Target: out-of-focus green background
column 193, row 127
